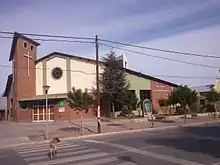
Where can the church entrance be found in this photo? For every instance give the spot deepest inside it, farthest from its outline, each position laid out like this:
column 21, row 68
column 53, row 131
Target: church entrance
column 39, row 113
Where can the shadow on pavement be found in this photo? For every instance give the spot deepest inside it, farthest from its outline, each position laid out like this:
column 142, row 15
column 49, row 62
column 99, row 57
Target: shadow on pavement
column 70, row 129
column 119, row 125
column 164, row 121
column 204, row 131
column 197, row 139
column 127, row 159
column 85, row 128
column 9, row 157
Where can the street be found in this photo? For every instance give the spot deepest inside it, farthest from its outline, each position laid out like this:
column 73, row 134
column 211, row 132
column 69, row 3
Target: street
column 191, row 145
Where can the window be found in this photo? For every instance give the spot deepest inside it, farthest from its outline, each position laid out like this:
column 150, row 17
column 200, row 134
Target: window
column 32, row 47
column 57, row 73
column 25, row 44
column 23, row 105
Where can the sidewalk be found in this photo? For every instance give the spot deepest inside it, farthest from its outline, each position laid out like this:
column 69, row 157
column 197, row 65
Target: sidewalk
column 15, row 133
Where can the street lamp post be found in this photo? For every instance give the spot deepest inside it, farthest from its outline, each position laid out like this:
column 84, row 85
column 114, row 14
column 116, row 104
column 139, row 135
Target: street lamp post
column 46, row 88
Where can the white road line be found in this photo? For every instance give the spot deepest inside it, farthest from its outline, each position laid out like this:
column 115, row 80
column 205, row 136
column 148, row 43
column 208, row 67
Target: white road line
column 71, row 159
column 26, row 155
column 38, row 144
column 46, row 149
column 62, row 154
column 23, row 147
column 205, row 137
column 147, row 153
column 127, row 163
column 98, row 161
column 38, row 147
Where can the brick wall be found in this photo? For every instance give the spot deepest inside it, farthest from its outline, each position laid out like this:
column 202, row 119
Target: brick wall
column 71, row 114
column 159, row 90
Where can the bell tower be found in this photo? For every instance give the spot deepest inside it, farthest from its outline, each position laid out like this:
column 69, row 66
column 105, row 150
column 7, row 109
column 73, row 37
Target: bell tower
column 23, row 56
column 124, row 60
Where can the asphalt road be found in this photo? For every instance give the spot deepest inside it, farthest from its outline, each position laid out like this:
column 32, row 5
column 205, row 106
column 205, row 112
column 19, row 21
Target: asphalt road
column 197, row 145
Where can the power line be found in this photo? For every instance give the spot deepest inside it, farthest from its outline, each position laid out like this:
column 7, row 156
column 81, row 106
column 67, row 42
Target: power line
column 162, row 50
column 49, row 35
column 115, row 42
column 34, row 68
column 91, row 73
column 53, row 40
column 165, row 58
column 141, row 53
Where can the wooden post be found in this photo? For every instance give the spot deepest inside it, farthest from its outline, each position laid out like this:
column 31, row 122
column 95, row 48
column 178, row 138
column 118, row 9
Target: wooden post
column 97, row 86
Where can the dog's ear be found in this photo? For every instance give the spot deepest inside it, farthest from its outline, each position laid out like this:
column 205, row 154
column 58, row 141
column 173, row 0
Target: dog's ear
column 57, row 139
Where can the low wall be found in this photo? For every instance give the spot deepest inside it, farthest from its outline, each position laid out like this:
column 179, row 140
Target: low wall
column 189, row 116
column 136, row 113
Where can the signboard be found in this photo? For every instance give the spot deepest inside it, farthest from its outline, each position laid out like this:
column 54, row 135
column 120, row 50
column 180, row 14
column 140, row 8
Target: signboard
column 61, row 104
column 61, row 109
column 147, row 107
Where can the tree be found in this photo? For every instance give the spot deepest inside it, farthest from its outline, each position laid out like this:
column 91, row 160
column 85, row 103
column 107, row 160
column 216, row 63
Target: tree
column 79, row 101
column 162, row 102
column 113, row 82
column 212, row 97
column 130, row 103
column 184, row 96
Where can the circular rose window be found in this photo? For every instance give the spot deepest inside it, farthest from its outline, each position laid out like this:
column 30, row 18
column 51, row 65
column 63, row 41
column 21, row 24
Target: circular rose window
column 57, row 73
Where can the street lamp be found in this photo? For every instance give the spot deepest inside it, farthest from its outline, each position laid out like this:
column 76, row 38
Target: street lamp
column 45, row 89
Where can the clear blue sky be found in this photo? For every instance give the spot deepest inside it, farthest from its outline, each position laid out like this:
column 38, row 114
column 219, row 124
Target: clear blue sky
column 191, row 26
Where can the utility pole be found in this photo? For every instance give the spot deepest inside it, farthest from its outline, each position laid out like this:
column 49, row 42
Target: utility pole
column 97, row 85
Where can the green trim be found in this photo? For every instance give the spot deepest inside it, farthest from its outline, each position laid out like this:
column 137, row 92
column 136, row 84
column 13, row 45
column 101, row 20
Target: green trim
column 44, row 72
column 43, row 97
column 68, row 74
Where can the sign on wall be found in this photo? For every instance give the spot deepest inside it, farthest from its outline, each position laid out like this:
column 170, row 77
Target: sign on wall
column 61, row 104
column 147, row 106
column 61, row 109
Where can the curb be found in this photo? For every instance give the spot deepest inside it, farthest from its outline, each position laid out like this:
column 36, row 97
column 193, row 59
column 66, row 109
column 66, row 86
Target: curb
column 111, row 133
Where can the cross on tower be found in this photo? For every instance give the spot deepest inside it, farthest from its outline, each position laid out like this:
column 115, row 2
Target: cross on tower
column 28, row 61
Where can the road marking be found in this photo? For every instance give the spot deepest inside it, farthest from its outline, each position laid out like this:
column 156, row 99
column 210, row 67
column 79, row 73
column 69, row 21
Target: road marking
column 45, row 149
column 23, row 147
column 97, row 162
column 46, row 152
column 205, row 137
column 62, row 154
column 76, row 158
column 127, row 163
column 38, row 147
column 147, row 153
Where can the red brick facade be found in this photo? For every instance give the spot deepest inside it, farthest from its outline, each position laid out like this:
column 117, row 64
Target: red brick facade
column 23, row 85
column 71, row 114
column 159, row 90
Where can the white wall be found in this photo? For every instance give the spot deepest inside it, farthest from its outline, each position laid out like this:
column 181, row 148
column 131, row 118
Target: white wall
column 83, row 74
column 60, row 85
column 3, row 103
column 39, row 78
column 10, row 96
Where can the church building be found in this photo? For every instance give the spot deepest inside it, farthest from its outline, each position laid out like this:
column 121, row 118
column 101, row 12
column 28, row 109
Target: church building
column 24, row 88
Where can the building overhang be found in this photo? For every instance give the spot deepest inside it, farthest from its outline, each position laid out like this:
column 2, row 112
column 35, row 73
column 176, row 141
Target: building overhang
column 42, row 97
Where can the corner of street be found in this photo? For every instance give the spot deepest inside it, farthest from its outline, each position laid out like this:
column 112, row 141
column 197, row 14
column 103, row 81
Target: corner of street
column 192, row 144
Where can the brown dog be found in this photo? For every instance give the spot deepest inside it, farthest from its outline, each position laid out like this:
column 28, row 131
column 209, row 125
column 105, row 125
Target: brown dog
column 53, row 148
